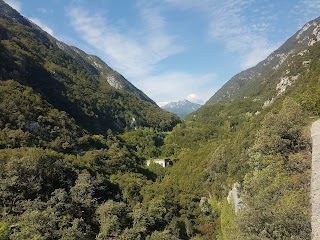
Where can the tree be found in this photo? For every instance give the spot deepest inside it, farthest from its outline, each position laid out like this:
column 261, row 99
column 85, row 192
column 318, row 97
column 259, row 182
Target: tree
column 82, row 192
column 130, row 185
column 165, row 235
column 281, row 132
column 4, row 231
column 113, row 219
column 78, row 230
column 276, row 190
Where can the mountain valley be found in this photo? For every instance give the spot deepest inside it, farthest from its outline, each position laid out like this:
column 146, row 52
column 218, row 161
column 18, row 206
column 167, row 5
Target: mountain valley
column 75, row 137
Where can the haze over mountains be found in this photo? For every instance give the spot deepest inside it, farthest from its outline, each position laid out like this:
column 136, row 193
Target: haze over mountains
column 75, row 136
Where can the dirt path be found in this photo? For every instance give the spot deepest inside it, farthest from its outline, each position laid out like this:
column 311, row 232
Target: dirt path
column 315, row 181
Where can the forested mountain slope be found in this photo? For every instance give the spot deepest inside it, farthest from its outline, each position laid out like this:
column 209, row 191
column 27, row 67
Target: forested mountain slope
column 69, row 80
column 273, row 75
column 254, row 131
column 64, row 171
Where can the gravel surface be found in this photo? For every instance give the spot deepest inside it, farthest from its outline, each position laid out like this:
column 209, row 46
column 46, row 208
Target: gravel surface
column 315, row 181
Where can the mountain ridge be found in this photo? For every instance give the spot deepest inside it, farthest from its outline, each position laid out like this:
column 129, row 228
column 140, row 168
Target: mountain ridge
column 90, row 62
column 181, row 108
column 239, row 85
column 82, row 85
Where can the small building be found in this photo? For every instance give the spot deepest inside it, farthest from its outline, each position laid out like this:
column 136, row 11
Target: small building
column 162, row 162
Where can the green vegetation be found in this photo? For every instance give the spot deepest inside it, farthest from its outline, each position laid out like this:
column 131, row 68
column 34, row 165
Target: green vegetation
column 70, row 83
column 265, row 149
column 65, row 171
column 72, row 159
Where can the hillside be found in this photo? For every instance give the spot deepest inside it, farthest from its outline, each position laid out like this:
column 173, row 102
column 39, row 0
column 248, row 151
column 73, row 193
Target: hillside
column 254, row 134
column 70, row 164
column 276, row 73
column 69, row 80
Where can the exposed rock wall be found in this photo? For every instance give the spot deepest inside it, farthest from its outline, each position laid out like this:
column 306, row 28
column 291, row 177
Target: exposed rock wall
column 315, row 181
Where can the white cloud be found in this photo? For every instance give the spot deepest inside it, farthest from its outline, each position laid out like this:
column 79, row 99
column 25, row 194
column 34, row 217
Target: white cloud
column 241, row 32
column 14, row 4
column 134, row 53
column 194, row 98
column 310, row 7
column 245, row 26
column 259, row 51
column 189, row 4
column 137, row 54
column 161, row 104
column 305, row 11
column 42, row 25
column 177, row 85
column 45, row 10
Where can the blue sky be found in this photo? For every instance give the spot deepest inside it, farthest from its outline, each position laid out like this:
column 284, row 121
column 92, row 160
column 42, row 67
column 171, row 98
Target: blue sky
column 173, row 49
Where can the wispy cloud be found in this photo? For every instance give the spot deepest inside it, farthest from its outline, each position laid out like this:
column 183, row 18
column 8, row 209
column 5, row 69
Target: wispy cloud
column 44, row 10
column 305, row 10
column 134, row 53
column 313, row 4
column 259, row 50
column 14, row 4
column 42, row 25
column 161, row 104
column 138, row 53
column 177, row 85
column 229, row 22
column 194, row 98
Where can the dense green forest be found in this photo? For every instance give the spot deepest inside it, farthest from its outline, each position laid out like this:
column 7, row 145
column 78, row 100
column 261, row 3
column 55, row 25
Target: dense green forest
column 73, row 161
